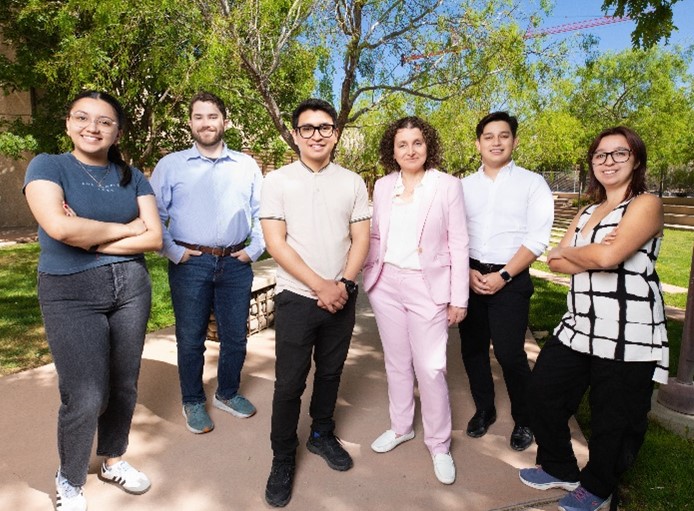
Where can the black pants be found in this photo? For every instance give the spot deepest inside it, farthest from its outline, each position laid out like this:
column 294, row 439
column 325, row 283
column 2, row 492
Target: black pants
column 503, row 319
column 619, row 398
column 303, row 330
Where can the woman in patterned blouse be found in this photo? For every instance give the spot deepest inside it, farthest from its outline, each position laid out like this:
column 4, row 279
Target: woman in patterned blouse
column 612, row 337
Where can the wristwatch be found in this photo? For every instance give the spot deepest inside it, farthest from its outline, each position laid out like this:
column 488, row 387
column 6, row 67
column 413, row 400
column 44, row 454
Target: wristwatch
column 506, row 276
column 350, row 285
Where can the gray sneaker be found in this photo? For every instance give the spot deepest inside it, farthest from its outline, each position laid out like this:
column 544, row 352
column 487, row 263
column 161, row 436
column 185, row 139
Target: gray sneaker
column 197, row 420
column 238, row 406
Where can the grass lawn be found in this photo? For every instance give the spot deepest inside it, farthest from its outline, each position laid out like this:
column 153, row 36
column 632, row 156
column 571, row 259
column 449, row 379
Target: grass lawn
column 675, row 254
column 22, row 342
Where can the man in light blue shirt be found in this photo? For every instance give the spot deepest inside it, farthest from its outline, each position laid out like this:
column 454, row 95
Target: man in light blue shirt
column 208, row 198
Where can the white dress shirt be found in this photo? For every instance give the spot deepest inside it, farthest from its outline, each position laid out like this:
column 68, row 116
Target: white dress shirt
column 514, row 209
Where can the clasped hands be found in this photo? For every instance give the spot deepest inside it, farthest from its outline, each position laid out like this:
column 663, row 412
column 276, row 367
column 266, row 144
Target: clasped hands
column 332, row 295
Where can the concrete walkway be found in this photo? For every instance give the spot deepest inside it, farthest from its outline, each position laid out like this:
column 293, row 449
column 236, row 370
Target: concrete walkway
column 227, row 468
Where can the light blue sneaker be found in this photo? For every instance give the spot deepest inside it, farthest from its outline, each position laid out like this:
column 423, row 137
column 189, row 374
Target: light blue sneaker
column 238, row 406
column 539, row 479
column 197, row 419
column 582, row 500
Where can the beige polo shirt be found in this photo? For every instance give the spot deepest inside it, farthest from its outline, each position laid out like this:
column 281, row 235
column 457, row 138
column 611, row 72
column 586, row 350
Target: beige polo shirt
column 318, row 208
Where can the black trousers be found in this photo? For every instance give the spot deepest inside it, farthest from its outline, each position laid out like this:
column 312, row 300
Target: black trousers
column 619, row 398
column 501, row 318
column 304, row 330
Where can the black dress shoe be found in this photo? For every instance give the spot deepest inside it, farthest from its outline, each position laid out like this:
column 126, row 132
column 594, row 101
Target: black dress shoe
column 480, row 422
column 521, row 438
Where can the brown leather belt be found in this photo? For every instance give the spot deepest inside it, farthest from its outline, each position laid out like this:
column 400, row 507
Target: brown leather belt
column 215, row 251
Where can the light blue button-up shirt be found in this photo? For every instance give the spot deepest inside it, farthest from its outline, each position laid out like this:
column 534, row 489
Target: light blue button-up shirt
column 208, row 202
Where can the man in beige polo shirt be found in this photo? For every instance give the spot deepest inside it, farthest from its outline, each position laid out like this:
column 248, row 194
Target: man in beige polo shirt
column 315, row 220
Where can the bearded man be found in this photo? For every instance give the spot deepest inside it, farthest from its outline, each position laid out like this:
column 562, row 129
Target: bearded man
column 208, row 198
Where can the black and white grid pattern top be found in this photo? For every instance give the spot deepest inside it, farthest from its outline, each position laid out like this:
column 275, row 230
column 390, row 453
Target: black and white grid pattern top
column 618, row 313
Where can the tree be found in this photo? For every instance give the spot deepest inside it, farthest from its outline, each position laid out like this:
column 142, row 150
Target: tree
column 152, row 54
column 135, row 50
column 650, row 91
column 366, row 50
column 653, row 19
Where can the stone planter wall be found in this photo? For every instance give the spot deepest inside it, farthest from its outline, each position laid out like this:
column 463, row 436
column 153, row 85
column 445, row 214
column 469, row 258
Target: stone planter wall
column 261, row 313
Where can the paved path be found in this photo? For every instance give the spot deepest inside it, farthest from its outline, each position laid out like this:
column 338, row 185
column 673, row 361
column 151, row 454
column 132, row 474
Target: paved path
column 226, row 470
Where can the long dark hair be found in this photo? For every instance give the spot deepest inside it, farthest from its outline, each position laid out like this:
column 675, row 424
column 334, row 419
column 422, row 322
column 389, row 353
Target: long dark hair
column 431, row 139
column 114, row 154
column 637, row 185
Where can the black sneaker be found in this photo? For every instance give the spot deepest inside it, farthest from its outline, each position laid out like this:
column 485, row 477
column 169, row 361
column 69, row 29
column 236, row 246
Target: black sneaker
column 328, row 447
column 278, row 490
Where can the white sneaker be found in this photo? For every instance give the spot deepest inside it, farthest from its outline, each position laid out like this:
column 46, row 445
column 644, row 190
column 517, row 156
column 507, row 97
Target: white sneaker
column 389, row 441
column 68, row 497
column 444, row 468
column 125, row 476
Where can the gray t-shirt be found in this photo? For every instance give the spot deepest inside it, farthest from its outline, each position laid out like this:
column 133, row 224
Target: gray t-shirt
column 92, row 192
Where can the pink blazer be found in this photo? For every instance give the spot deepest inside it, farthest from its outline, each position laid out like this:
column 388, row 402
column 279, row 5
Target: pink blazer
column 443, row 238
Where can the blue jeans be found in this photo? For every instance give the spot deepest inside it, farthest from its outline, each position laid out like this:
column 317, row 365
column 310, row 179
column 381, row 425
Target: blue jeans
column 95, row 326
column 203, row 284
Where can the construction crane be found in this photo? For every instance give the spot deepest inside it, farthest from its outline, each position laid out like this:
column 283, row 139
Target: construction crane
column 530, row 34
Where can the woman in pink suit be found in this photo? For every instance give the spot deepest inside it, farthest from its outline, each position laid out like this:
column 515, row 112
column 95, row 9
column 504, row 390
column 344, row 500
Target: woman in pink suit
column 416, row 276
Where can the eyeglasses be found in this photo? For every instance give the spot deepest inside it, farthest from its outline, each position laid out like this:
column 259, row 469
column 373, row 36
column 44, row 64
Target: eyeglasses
column 103, row 123
column 618, row 156
column 307, row 130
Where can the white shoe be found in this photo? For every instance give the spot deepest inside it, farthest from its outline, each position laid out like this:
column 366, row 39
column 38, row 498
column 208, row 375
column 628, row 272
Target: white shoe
column 123, row 475
column 68, row 497
column 444, row 468
column 389, row 441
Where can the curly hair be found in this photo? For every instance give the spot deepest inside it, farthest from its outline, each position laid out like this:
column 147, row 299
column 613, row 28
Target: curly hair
column 431, row 139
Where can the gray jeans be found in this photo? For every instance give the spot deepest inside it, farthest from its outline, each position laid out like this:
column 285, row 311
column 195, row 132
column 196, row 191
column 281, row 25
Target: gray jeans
column 95, row 325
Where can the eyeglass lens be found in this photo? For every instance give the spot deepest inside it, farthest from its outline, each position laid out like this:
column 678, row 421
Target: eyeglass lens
column 307, row 130
column 618, row 156
column 83, row 121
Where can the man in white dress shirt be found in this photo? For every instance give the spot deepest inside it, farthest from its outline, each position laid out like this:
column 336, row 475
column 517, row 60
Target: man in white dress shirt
column 510, row 211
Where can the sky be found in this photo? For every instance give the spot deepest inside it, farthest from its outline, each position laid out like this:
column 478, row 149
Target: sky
column 617, row 36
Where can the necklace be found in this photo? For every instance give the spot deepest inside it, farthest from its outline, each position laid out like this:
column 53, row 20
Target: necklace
column 100, row 182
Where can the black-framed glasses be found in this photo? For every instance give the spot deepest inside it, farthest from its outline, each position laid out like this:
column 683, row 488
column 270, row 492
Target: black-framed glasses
column 618, row 156
column 308, row 130
column 82, row 120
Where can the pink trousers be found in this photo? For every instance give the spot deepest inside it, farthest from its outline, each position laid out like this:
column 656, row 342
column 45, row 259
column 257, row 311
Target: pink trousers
column 414, row 334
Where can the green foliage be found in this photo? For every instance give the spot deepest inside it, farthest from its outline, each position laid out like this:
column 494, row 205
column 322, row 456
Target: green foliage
column 653, row 19
column 680, row 179
column 13, row 146
column 151, row 54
